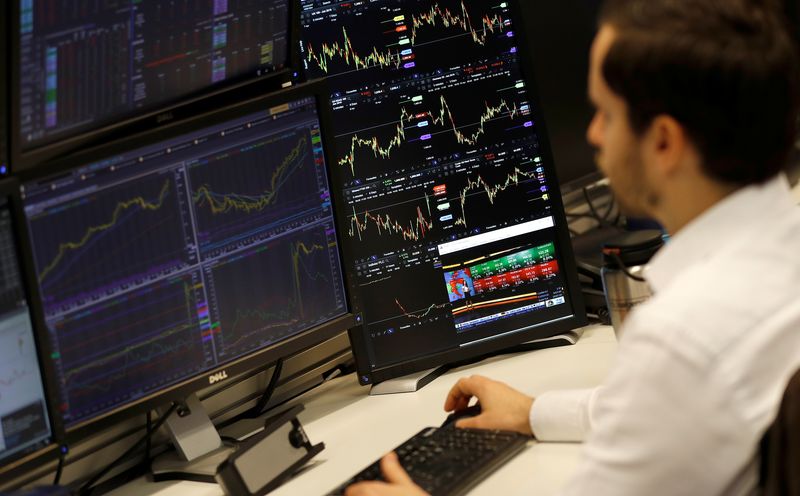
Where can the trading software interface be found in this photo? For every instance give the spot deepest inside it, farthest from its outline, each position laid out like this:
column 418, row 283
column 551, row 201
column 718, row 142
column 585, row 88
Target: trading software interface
column 24, row 424
column 160, row 263
column 88, row 63
column 448, row 204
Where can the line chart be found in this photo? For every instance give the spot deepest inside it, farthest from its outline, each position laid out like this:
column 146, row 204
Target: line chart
column 224, row 203
column 344, row 51
column 274, row 290
column 442, row 117
column 251, row 191
column 69, row 246
column 129, row 345
column 422, row 314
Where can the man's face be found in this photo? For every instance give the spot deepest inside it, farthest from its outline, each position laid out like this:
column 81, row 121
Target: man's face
column 619, row 152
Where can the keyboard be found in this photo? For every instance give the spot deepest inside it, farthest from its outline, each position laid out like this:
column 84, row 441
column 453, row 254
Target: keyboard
column 447, row 461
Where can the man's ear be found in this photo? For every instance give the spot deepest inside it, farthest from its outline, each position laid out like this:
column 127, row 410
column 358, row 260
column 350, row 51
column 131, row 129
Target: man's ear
column 666, row 145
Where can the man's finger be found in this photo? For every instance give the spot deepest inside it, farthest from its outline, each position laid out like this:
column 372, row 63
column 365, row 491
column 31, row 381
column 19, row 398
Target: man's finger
column 359, row 489
column 463, row 389
column 394, row 472
column 470, row 423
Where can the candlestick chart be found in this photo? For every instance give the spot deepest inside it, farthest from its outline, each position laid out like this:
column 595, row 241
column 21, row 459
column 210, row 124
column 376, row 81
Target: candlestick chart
column 398, row 35
column 417, row 126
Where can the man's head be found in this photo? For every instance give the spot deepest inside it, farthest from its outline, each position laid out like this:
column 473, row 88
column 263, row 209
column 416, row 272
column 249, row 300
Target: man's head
column 692, row 97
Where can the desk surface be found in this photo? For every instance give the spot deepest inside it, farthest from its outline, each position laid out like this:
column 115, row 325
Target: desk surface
column 357, row 428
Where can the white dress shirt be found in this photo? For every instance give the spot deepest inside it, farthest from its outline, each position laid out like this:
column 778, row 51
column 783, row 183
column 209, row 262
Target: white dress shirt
column 701, row 367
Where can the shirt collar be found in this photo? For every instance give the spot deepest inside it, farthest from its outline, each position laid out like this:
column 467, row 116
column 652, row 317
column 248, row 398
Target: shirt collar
column 726, row 220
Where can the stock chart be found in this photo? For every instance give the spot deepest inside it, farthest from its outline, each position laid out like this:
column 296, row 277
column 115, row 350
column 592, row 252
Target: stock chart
column 107, row 240
column 158, row 263
column 439, row 167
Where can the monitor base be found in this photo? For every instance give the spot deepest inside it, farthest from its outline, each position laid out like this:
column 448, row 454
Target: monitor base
column 408, row 383
column 414, row 382
column 170, row 466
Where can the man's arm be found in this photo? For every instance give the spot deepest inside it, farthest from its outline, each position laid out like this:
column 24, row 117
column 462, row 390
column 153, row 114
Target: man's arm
column 663, row 423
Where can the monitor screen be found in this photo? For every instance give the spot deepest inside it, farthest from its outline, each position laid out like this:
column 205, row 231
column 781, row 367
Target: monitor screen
column 83, row 65
column 161, row 262
column 24, row 422
column 452, row 223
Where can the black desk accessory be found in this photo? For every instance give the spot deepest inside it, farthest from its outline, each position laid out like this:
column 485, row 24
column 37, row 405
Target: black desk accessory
column 269, row 458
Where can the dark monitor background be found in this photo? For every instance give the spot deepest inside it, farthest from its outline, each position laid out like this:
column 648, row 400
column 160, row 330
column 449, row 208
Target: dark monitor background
column 83, row 66
column 169, row 257
column 560, row 37
column 25, row 426
column 451, row 215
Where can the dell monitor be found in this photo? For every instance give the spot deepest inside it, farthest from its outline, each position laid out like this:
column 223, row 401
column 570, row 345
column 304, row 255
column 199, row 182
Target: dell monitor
column 26, row 432
column 452, row 222
column 82, row 70
column 186, row 256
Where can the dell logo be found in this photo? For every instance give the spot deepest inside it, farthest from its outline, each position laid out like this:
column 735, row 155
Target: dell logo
column 166, row 116
column 219, row 376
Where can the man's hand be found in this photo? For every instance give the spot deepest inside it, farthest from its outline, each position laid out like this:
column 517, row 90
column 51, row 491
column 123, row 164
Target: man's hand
column 398, row 482
column 502, row 407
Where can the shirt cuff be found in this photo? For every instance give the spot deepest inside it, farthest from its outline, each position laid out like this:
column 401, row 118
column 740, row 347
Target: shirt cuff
column 562, row 415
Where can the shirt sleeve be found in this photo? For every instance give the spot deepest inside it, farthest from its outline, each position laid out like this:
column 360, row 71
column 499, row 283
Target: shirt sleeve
column 563, row 415
column 661, row 424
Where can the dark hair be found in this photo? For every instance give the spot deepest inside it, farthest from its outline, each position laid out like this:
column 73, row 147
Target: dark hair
column 727, row 70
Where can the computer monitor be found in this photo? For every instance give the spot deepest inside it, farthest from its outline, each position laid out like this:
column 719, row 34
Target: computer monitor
column 454, row 231
column 4, row 101
column 186, row 256
column 26, row 432
column 84, row 67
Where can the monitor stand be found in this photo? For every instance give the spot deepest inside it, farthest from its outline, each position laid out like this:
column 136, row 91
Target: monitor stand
column 199, row 450
column 408, row 383
column 414, row 382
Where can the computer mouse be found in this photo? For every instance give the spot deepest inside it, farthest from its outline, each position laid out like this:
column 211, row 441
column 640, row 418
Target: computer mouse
column 470, row 411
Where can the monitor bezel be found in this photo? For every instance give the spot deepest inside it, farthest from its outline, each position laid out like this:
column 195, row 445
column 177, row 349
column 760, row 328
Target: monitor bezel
column 9, row 189
column 184, row 107
column 255, row 361
column 5, row 77
column 367, row 375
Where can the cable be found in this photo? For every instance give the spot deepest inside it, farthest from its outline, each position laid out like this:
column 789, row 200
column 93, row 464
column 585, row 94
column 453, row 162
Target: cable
column 612, row 202
column 149, row 445
column 592, row 208
column 601, row 219
column 267, row 395
column 62, row 457
column 87, row 486
column 625, row 270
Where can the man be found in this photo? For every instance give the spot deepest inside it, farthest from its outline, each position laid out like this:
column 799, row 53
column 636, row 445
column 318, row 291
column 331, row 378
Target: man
column 697, row 106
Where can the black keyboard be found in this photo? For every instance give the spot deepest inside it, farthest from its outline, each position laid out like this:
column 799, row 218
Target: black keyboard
column 449, row 461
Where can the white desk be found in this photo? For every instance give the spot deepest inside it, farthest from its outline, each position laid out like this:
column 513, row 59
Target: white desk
column 357, row 428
